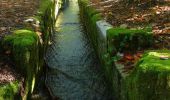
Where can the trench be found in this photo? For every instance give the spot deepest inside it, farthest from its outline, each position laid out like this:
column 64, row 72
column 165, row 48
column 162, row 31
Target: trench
column 74, row 70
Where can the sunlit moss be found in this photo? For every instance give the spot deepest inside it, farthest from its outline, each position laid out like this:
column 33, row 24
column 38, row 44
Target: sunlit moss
column 150, row 79
column 129, row 39
column 27, row 52
column 152, row 61
column 9, row 91
column 25, row 45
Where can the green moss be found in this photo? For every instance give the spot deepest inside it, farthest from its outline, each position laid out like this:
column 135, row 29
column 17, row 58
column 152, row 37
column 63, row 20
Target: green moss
column 96, row 18
column 44, row 5
column 83, row 3
column 152, row 59
column 9, row 91
column 26, row 36
column 89, row 17
column 91, row 11
column 150, row 79
column 47, row 17
column 27, row 52
column 116, row 31
column 127, row 39
column 24, row 45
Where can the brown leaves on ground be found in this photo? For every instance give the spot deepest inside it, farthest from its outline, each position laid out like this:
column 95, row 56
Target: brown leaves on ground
column 14, row 12
column 7, row 74
column 118, row 12
column 157, row 16
column 129, row 59
column 7, row 70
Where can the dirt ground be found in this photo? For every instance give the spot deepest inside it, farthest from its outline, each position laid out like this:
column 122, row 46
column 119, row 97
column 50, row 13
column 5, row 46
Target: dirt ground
column 118, row 13
column 7, row 70
column 14, row 12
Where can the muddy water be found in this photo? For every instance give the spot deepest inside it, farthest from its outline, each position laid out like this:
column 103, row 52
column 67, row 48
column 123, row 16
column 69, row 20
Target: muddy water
column 74, row 70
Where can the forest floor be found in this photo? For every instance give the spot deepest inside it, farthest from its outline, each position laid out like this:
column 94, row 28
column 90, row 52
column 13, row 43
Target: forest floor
column 118, row 13
column 8, row 72
column 14, row 12
column 12, row 16
column 138, row 16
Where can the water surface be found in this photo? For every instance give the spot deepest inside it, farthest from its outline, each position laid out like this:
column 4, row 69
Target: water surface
column 73, row 66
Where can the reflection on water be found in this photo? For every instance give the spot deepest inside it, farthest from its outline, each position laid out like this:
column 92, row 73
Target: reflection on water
column 73, row 67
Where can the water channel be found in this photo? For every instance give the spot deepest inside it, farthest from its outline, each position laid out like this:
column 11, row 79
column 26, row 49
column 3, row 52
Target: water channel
column 74, row 70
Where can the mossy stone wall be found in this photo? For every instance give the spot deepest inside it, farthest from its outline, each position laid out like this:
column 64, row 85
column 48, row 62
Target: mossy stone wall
column 122, row 39
column 24, row 45
column 89, row 16
column 27, row 49
column 150, row 78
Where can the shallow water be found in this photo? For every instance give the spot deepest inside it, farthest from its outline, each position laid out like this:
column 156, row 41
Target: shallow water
column 74, row 70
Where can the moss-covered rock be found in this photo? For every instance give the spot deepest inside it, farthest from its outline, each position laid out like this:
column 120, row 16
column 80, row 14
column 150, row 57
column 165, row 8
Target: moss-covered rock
column 21, row 42
column 150, row 79
column 27, row 51
column 24, row 45
column 9, row 91
column 122, row 39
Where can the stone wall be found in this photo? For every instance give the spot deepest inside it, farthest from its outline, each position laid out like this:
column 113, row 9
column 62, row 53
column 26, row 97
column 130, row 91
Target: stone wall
column 97, row 28
column 148, row 80
column 28, row 46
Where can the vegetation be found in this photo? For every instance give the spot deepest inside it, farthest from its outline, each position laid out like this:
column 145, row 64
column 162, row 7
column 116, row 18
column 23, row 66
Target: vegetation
column 149, row 79
column 129, row 74
column 9, row 91
column 123, row 39
column 27, row 47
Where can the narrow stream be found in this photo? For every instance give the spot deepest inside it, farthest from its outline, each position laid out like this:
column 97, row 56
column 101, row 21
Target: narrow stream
column 74, row 70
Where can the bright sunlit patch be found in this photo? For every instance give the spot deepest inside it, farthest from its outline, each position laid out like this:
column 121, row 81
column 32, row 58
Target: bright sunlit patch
column 156, row 54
